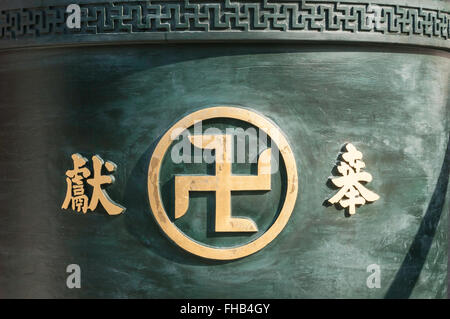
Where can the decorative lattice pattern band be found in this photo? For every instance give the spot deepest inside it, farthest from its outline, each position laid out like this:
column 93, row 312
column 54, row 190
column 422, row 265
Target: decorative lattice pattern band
column 226, row 15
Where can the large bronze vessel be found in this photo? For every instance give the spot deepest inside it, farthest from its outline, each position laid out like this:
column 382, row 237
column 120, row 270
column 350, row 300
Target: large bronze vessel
column 111, row 78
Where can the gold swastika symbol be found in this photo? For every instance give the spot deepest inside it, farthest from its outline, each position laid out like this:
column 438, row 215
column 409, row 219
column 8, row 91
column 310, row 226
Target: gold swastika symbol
column 223, row 182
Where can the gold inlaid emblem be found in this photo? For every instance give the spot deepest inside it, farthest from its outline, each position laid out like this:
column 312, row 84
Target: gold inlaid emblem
column 77, row 198
column 222, row 183
column 352, row 192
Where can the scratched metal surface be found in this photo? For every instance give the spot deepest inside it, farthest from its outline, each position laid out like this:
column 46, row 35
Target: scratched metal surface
column 115, row 101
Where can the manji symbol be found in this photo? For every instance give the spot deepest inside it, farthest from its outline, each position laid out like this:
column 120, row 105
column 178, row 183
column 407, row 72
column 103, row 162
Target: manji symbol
column 352, row 192
column 222, row 183
column 76, row 195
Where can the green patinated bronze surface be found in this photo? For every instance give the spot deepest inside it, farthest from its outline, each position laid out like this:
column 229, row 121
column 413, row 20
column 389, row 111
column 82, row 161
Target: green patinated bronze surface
column 387, row 98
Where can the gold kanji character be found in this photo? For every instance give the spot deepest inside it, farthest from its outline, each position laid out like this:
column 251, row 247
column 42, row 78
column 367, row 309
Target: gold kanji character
column 75, row 185
column 99, row 194
column 352, row 192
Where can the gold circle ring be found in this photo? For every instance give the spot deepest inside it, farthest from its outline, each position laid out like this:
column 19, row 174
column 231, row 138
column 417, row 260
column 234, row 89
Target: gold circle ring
column 181, row 239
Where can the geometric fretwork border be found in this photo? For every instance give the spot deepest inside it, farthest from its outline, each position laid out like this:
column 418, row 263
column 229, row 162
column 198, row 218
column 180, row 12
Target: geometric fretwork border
column 225, row 15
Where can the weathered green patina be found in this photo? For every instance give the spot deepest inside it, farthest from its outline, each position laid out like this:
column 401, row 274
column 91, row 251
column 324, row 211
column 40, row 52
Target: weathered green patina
column 387, row 98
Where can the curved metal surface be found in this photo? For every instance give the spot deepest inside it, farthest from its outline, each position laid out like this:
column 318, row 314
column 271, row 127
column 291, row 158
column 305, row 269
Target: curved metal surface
column 386, row 90
column 43, row 23
column 392, row 103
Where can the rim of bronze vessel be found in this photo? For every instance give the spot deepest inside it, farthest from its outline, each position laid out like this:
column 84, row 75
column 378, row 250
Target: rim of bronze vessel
column 43, row 23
